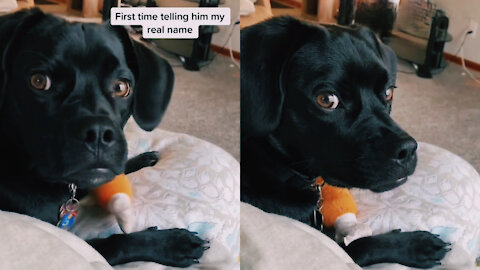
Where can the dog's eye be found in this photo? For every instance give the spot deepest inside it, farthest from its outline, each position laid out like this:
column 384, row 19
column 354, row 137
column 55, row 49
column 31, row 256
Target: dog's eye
column 121, row 88
column 327, row 100
column 389, row 94
column 40, row 81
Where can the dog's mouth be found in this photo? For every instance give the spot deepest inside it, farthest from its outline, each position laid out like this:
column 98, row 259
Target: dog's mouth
column 91, row 177
column 386, row 186
column 376, row 187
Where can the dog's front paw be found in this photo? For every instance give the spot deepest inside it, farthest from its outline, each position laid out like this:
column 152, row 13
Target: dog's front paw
column 147, row 159
column 186, row 247
column 173, row 247
column 424, row 249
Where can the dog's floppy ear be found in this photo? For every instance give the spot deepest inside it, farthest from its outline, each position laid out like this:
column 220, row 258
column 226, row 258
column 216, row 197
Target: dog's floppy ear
column 154, row 81
column 265, row 49
column 11, row 27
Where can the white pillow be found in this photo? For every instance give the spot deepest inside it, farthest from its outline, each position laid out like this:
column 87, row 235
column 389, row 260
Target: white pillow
column 195, row 185
column 442, row 196
column 271, row 241
column 29, row 243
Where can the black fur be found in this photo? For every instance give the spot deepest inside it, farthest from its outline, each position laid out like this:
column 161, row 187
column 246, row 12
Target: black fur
column 72, row 133
column 288, row 139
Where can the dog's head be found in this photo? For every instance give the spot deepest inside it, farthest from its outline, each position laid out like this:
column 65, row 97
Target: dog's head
column 322, row 96
column 67, row 90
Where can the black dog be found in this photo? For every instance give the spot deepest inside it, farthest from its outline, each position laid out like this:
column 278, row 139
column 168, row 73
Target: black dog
column 66, row 92
column 315, row 102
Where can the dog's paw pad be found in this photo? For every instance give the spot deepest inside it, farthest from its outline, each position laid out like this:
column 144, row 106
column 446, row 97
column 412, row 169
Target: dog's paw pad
column 149, row 158
column 427, row 249
column 186, row 248
column 172, row 247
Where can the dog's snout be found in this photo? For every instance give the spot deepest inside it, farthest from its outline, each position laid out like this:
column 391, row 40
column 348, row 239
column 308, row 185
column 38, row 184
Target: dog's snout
column 98, row 134
column 405, row 150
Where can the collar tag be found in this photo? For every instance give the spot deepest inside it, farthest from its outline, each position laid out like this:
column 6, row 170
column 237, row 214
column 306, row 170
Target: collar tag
column 68, row 211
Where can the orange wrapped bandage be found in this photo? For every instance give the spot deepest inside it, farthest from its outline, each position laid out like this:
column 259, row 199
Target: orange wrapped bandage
column 339, row 210
column 116, row 196
column 336, row 202
column 119, row 184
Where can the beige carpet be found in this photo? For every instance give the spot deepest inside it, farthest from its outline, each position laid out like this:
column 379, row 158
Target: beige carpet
column 206, row 103
column 444, row 111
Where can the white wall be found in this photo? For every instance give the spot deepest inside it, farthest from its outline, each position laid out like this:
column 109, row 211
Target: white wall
column 221, row 37
column 460, row 12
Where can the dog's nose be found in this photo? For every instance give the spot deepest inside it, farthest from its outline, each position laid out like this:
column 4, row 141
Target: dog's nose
column 405, row 150
column 97, row 133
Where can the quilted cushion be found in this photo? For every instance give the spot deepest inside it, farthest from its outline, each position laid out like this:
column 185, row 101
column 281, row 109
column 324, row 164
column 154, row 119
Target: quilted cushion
column 29, row 243
column 195, row 185
column 442, row 196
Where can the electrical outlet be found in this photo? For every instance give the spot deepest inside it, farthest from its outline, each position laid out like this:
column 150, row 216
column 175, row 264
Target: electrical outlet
column 473, row 27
